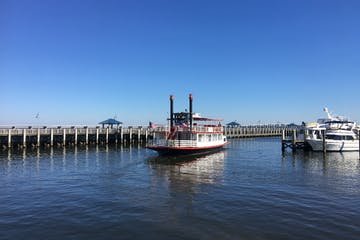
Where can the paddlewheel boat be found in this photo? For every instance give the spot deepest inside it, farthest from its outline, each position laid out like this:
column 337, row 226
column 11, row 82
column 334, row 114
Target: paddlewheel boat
column 188, row 133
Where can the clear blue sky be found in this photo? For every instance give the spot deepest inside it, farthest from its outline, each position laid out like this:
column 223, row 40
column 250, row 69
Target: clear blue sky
column 80, row 62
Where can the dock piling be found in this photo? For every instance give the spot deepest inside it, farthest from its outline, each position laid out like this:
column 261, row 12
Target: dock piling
column 107, row 135
column 24, row 138
column 51, row 137
column 130, row 134
column 9, row 138
column 86, row 135
column 38, row 138
column 323, row 132
column 76, row 136
column 294, row 140
column 97, row 136
column 121, row 135
column 358, row 132
column 283, row 140
column 64, row 136
column 139, row 134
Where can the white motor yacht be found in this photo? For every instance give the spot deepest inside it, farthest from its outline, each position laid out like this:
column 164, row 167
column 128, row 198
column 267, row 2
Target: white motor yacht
column 340, row 134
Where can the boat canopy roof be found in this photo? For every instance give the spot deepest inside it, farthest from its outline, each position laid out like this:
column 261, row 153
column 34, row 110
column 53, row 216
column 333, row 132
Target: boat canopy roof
column 206, row 119
column 196, row 117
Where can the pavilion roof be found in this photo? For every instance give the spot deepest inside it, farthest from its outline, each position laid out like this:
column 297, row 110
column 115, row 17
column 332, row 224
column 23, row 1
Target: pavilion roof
column 111, row 121
column 233, row 124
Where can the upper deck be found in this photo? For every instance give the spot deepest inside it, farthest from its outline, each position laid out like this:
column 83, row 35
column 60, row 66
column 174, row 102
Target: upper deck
column 203, row 129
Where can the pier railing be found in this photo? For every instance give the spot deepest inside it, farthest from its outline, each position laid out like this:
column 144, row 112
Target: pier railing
column 257, row 131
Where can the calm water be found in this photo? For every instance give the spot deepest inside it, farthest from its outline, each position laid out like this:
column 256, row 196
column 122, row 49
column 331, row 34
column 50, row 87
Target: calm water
column 248, row 191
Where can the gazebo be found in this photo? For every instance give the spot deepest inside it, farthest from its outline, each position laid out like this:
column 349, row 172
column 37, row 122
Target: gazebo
column 233, row 124
column 110, row 122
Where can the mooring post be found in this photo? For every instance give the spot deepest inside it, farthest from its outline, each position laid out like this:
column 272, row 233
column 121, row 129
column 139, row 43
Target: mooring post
column 324, row 140
column 24, row 138
column 38, row 138
column 146, row 134
column 86, row 135
column 97, row 136
column 9, row 138
column 64, row 136
column 76, row 136
column 51, row 136
column 107, row 135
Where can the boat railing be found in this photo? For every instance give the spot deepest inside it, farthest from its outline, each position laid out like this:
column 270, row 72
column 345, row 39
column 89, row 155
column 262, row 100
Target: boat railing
column 200, row 129
column 207, row 129
column 181, row 143
column 174, row 143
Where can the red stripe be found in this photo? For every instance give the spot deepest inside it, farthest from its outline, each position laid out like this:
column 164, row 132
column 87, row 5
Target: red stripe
column 185, row 148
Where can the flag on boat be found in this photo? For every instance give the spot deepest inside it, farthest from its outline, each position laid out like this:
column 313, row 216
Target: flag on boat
column 152, row 125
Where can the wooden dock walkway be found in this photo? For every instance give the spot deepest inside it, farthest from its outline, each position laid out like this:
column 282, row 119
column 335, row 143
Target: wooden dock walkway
column 84, row 135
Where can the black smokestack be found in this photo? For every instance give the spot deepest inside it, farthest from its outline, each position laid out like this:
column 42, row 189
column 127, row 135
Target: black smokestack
column 191, row 110
column 171, row 111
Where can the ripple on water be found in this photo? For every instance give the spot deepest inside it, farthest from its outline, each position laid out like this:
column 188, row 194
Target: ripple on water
column 249, row 191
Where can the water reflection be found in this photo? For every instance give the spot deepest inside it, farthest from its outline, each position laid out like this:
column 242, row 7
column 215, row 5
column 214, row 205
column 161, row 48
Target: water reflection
column 190, row 170
column 344, row 163
column 28, row 161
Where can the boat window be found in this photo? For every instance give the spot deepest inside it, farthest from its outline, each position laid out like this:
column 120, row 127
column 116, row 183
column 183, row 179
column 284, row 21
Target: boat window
column 349, row 138
column 209, row 137
column 201, row 137
column 334, row 137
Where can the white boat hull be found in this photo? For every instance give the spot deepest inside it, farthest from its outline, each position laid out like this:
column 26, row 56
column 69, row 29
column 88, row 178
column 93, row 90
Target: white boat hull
column 334, row 145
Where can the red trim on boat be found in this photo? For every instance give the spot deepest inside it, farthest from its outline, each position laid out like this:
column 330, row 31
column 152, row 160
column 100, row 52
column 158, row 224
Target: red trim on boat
column 185, row 148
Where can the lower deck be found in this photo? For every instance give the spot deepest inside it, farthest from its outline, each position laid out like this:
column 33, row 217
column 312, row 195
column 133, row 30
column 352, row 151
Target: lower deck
column 176, row 150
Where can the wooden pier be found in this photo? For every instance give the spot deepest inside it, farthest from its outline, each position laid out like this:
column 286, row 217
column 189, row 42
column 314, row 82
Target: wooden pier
column 36, row 137
column 83, row 135
column 256, row 131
